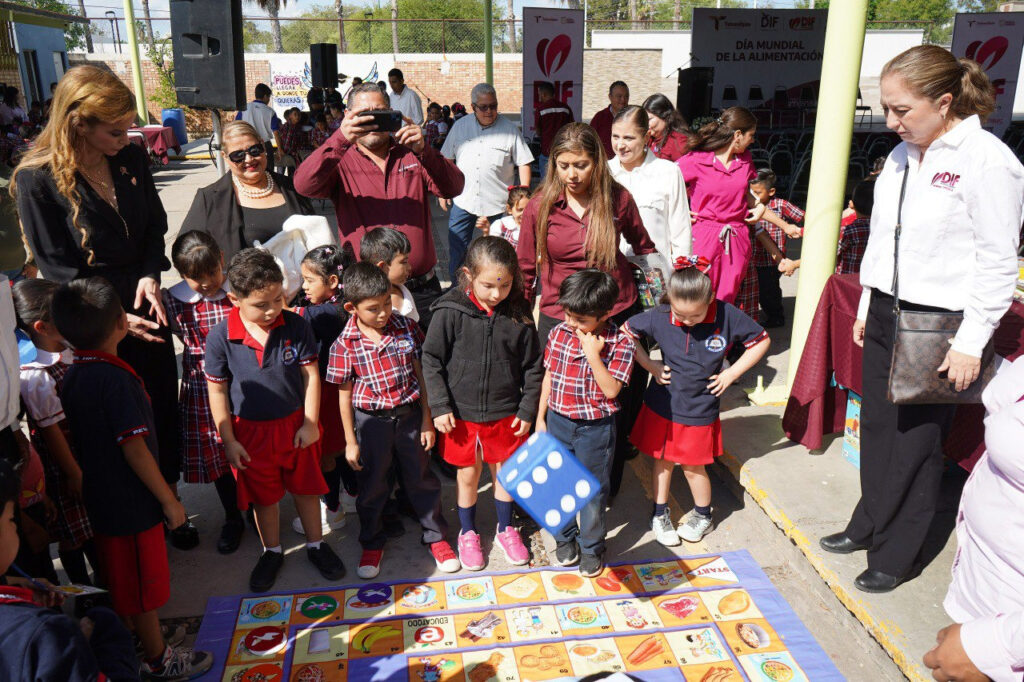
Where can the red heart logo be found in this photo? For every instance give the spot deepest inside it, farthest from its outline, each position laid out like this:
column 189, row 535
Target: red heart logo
column 551, row 54
column 993, row 48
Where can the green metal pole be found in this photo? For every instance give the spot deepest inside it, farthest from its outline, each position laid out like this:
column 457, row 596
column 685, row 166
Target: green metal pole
column 133, row 48
column 840, row 74
column 488, row 42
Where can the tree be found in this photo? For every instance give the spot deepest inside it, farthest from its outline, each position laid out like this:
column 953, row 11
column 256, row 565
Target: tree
column 273, row 9
column 253, row 39
column 511, row 26
column 340, row 11
column 88, row 33
column 149, row 24
column 75, row 35
column 394, row 26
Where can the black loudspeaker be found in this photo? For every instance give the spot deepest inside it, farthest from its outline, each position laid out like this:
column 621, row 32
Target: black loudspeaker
column 209, row 69
column 323, row 65
column 693, row 99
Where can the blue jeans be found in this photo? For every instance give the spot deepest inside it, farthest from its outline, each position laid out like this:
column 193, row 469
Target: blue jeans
column 461, row 225
column 592, row 441
column 542, row 165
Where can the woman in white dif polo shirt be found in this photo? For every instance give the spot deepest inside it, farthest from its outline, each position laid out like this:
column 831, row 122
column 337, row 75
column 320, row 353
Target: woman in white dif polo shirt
column 657, row 187
column 961, row 219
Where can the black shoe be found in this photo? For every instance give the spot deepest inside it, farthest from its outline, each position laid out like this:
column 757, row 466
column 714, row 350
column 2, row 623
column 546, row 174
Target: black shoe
column 265, row 572
column 774, row 323
column 392, row 525
column 230, row 535
column 185, row 536
column 326, row 561
column 840, row 543
column 591, row 565
column 878, row 582
column 567, row 553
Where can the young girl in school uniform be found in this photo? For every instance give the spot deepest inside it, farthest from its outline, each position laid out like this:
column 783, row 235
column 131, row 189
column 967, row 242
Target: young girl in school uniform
column 41, row 381
column 194, row 306
column 483, row 369
column 322, row 270
column 507, row 227
column 679, row 422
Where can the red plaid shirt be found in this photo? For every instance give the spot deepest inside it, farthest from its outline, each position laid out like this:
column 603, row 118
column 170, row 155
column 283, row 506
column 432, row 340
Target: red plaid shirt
column 292, row 138
column 382, row 375
column 852, row 241
column 787, row 211
column 574, row 390
column 317, row 137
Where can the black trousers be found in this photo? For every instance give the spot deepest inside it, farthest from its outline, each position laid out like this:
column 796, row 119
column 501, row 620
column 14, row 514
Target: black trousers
column 155, row 364
column 769, row 292
column 631, row 398
column 901, row 456
column 424, row 294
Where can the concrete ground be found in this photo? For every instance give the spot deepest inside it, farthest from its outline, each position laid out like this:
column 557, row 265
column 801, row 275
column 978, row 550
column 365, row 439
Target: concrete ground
column 803, row 495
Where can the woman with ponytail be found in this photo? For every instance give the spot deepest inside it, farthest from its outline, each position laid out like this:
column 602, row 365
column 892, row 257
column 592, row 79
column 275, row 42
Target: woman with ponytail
column 88, row 206
column 575, row 221
column 958, row 194
column 718, row 170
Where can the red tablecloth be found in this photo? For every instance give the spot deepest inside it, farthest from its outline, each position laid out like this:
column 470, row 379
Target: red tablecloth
column 159, row 139
column 816, row 408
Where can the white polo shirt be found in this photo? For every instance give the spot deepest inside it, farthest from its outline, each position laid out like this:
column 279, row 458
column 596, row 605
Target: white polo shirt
column 10, row 363
column 962, row 217
column 408, row 103
column 488, row 158
column 659, row 191
column 262, row 118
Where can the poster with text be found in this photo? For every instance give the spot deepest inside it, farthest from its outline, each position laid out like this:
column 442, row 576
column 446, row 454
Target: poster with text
column 775, row 52
column 994, row 40
column 291, row 78
column 553, row 52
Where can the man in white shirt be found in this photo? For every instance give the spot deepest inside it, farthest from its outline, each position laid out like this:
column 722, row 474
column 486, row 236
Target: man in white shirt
column 487, row 148
column 403, row 98
column 261, row 117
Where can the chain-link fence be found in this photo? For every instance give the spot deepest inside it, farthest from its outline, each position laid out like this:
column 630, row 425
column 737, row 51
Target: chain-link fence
column 375, row 34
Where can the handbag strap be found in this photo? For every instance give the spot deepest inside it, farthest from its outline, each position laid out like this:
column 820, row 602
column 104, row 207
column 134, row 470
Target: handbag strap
column 896, row 243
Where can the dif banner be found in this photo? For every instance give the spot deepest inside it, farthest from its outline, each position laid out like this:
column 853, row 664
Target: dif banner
column 553, row 52
column 768, row 49
column 994, row 40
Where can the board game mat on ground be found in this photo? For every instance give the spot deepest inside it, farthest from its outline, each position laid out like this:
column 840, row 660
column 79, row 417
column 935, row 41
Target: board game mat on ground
column 711, row 618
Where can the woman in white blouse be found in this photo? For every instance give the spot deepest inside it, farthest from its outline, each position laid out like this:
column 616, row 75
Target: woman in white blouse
column 961, row 218
column 657, row 187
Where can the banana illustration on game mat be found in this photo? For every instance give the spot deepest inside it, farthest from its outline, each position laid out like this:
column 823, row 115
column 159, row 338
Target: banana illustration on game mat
column 368, row 636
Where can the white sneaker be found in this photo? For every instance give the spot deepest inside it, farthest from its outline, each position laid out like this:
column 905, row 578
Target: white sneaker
column 297, row 522
column 694, row 526
column 664, row 533
column 348, row 502
column 336, row 519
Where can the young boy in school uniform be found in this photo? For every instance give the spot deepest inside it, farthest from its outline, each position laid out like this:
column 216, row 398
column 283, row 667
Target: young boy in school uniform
column 588, row 361
column 384, row 409
column 261, row 369
column 125, row 495
column 768, row 273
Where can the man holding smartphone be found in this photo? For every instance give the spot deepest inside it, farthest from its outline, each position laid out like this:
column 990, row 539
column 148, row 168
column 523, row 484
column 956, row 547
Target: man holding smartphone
column 376, row 178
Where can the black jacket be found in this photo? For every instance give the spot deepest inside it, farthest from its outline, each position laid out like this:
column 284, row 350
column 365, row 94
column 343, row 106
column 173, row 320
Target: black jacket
column 216, row 210
column 481, row 368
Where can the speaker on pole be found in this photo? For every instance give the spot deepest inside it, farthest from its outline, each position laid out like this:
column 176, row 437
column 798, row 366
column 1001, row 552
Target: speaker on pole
column 693, row 98
column 323, row 65
column 209, row 68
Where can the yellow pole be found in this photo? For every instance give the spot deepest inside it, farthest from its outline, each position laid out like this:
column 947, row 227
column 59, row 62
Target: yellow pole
column 133, row 49
column 833, row 131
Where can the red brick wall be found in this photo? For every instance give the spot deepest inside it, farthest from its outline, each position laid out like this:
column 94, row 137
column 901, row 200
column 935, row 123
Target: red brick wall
column 426, row 77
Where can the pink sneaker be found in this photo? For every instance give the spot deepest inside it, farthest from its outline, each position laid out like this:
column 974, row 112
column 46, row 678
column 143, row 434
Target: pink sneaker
column 445, row 557
column 511, row 544
column 470, row 553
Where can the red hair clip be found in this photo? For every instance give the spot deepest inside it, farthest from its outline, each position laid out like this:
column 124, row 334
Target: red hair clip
column 700, row 262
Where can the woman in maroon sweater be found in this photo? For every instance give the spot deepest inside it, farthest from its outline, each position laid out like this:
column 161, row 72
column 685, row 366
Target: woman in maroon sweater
column 574, row 221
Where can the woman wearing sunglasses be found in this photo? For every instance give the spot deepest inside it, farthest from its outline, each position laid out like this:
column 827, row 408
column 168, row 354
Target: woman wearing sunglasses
column 248, row 204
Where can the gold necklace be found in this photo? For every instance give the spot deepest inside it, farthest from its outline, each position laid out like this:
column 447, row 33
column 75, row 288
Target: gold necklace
column 110, row 196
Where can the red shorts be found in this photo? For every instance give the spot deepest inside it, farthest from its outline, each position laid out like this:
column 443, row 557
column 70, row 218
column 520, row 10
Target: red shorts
column 274, row 465
column 135, row 570
column 497, row 441
column 333, row 438
column 664, row 439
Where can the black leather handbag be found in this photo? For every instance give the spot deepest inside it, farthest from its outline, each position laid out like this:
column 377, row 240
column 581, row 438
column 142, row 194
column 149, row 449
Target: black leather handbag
column 921, row 342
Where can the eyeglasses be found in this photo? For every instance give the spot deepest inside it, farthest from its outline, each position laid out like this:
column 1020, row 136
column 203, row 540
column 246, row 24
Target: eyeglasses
column 255, row 151
column 486, row 107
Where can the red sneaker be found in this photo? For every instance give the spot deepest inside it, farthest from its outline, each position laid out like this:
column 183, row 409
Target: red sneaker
column 444, row 557
column 369, row 563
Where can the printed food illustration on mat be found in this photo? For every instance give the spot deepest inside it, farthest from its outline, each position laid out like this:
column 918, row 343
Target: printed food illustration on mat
column 692, row 619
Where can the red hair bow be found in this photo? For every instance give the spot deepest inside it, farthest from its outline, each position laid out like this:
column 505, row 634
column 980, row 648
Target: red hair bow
column 699, row 262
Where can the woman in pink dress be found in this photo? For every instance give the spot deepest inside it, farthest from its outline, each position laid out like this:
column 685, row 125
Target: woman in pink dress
column 718, row 170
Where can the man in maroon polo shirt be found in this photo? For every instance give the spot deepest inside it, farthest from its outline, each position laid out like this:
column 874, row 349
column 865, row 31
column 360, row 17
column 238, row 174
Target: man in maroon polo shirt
column 376, row 180
column 618, row 99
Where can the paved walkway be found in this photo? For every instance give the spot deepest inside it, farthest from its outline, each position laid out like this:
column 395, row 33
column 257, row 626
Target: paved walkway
column 786, row 488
